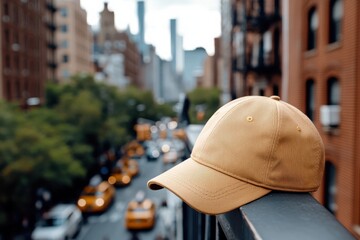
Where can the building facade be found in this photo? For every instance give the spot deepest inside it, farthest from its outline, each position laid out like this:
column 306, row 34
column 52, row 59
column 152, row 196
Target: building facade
column 74, row 39
column 211, row 68
column 256, row 48
column 23, row 51
column 110, row 41
column 251, row 44
column 322, row 64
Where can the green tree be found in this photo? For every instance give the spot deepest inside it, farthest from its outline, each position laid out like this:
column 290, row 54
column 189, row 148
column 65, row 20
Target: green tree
column 32, row 155
column 56, row 146
column 206, row 100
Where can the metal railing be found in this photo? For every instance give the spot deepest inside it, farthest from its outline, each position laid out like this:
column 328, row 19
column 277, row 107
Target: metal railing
column 278, row 215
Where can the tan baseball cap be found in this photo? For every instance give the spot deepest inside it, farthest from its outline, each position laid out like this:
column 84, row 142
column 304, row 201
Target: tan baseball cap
column 249, row 147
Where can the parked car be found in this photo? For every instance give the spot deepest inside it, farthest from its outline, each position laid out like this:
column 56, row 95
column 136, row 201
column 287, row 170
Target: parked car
column 152, row 153
column 118, row 177
column 140, row 213
column 96, row 198
column 134, row 149
column 62, row 222
column 129, row 166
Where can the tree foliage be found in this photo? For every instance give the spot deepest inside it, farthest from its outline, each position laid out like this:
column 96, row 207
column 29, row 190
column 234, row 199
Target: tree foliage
column 54, row 146
column 203, row 101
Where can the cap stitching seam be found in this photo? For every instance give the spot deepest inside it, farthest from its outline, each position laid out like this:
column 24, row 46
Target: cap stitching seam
column 257, row 184
column 275, row 142
column 202, row 189
column 317, row 153
column 207, row 196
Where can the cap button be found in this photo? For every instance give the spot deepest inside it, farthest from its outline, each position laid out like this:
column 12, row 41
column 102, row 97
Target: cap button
column 277, row 98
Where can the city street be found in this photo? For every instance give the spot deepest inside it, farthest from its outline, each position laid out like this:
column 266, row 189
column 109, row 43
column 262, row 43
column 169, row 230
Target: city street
column 110, row 224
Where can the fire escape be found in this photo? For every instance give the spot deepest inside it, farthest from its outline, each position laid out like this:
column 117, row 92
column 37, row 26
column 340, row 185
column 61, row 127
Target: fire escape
column 51, row 43
column 256, row 47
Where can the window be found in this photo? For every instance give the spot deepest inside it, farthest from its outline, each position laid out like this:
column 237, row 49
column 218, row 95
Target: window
column 64, row 44
column 64, row 28
column 330, row 187
column 333, row 90
column 267, row 47
column 313, row 24
column 7, row 61
column 7, row 36
column 335, row 19
column 65, row 58
column 6, row 9
column 310, row 99
column 64, row 12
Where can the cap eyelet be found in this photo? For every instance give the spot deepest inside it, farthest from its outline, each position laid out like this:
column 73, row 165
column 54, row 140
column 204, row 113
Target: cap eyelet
column 298, row 128
column 249, row 118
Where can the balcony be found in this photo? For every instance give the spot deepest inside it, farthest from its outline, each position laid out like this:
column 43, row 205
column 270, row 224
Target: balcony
column 267, row 69
column 257, row 20
column 278, row 215
column 261, row 23
column 51, row 6
column 52, row 64
column 51, row 26
column 52, row 45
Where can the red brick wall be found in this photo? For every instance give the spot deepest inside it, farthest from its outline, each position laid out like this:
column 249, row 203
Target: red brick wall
column 340, row 60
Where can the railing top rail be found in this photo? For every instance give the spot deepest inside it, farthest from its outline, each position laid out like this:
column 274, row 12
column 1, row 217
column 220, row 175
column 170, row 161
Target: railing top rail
column 283, row 215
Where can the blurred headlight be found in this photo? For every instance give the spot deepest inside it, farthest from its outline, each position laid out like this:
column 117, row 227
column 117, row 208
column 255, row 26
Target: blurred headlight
column 99, row 202
column 165, row 148
column 125, row 179
column 81, row 202
column 112, row 180
column 172, row 125
column 155, row 153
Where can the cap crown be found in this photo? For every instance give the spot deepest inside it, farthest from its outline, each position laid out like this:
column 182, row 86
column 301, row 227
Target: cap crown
column 265, row 142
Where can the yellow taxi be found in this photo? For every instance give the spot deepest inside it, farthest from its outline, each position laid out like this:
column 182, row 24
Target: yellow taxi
column 140, row 214
column 119, row 177
column 134, row 149
column 96, row 197
column 180, row 134
column 129, row 166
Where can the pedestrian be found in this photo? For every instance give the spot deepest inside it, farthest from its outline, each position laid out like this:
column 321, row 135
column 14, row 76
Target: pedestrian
column 249, row 147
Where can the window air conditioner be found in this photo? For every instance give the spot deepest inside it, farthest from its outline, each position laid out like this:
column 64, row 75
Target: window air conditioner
column 330, row 115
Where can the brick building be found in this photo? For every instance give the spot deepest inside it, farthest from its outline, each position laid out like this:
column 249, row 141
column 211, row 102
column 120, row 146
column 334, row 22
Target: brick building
column 255, row 47
column 74, row 38
column 322, row 77
column 212, row 64
column 111, row 41
column 23, row 52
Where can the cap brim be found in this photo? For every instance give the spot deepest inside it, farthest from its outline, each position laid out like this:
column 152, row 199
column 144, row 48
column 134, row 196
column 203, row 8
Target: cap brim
column 205, row 189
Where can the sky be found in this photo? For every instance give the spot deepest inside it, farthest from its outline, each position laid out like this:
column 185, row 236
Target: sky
column 198, row 21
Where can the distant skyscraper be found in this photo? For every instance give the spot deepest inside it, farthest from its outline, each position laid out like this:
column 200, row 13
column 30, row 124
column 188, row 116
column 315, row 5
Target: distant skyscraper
column 193, row 67
column 173, row 34
column 141, row 34
column 177, row 51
